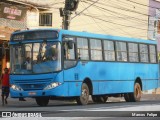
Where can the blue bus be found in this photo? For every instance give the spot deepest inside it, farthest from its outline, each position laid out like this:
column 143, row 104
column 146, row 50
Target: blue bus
column 52, row 63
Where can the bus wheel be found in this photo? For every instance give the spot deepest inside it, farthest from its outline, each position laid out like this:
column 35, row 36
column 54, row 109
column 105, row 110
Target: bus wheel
column 136, row 96
column 84, row 98
column 42, row 101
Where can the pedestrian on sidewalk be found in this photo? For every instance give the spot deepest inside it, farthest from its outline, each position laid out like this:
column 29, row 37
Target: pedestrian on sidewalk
column 5, row 86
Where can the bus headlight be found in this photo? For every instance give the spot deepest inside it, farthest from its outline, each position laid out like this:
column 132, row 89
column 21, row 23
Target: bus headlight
column 52, row 85
column 17, row 88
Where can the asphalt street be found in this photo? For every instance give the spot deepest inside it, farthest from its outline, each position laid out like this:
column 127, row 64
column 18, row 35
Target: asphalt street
column 114, row 108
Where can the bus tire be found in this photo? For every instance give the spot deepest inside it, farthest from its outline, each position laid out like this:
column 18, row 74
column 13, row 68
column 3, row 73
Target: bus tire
column 42, row 101
column 136, row 95
column 84, row 97
column 99, row 99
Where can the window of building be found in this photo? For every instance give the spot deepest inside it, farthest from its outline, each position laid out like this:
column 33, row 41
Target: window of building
column 96, row 49
column 121, row 49
column 45, row 19
column 109, row 51
column 143, row 53
column 82, row 48
column 133, row 52
column 152, row 52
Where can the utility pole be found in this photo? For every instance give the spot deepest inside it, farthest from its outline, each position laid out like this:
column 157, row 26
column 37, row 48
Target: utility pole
column 70, row 6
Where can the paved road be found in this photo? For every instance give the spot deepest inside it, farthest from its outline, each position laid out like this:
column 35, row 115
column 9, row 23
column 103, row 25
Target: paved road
column 114, row 108
column 14, row 103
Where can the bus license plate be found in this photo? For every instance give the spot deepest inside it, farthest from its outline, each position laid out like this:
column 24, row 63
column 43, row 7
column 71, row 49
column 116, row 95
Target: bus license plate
column 32, row 93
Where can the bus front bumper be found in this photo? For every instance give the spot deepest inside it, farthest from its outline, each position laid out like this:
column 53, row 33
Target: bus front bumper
column 57, row 91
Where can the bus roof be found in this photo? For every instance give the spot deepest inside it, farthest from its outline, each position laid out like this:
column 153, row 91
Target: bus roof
column 109, row 37
column 93, row 35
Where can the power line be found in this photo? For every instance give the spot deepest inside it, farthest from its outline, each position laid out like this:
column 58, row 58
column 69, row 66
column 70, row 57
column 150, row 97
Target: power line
column 118, row 23
column 85, row 9
column 123, row 18
column 95, row 22
column 120, row 15
column 114, row 22
column 135, row 19
column 124, row 32
column 142, row 4
column 123, row 3
column 117, row 13
column 111, row 12
column 121, row 8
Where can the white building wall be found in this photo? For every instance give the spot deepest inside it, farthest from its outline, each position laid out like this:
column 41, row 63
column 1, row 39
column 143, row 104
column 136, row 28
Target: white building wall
column 33, row 19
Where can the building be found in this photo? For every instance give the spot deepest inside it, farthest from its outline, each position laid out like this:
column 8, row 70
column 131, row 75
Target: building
column 14, row 16
column 9, row 22
column 131, row 18
column 122, row 18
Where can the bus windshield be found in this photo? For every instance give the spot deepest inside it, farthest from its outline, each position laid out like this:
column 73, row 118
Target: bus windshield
column 35, row 58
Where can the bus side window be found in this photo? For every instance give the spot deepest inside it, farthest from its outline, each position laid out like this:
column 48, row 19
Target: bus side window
column 82, row 48
column 69, row 52
column 121, row 49
column 144, row 55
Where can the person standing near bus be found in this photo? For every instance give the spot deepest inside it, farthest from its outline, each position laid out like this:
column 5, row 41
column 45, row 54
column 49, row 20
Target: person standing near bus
column 5, row 86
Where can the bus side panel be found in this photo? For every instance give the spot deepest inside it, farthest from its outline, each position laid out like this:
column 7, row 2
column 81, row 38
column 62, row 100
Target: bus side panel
column 71, row 76
column 152, row 82
column 74, row 88
column 108, row 77
column 95, row 87
column 111, row 87
column 148, row 73
column 116, row 77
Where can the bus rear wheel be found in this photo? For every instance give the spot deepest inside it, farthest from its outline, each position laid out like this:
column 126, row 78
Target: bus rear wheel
column 42, row 101
column 84, row 97
column 136, row 95
column 99, row 99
